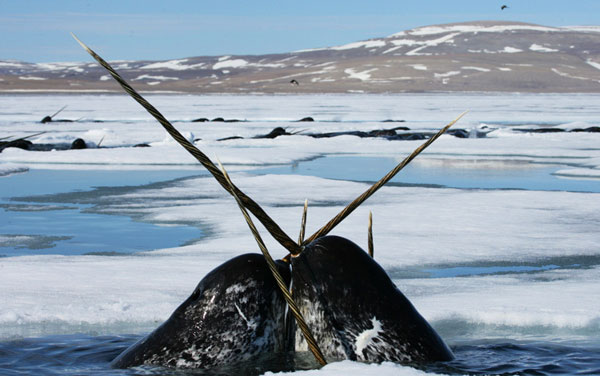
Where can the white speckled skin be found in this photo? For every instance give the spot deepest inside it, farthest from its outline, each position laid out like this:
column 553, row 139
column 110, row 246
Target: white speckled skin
column 344, row 294
column 235, row 314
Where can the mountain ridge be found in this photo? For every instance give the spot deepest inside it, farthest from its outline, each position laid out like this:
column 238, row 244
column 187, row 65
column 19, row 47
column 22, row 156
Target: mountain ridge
column 490, row 56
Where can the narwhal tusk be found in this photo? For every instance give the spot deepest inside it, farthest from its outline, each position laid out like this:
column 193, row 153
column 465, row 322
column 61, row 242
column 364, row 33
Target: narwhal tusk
column 365, row 195
column 310, row 340
column 303, row 224
column 252, row 206
column 370, row 236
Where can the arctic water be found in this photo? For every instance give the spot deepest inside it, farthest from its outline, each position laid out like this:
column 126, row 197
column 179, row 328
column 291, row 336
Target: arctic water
column 493, row 239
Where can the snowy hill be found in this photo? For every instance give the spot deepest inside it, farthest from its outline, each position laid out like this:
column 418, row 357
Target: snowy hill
column 472, row 56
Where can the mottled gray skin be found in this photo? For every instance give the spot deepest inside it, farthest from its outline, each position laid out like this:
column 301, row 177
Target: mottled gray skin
column 235, row 314
column 354, row 309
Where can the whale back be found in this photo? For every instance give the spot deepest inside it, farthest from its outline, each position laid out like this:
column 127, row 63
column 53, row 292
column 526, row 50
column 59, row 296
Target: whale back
column 355, row 310
column 235, row 314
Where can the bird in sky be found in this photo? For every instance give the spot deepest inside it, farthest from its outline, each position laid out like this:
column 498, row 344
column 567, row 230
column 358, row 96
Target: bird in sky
column 503, row 7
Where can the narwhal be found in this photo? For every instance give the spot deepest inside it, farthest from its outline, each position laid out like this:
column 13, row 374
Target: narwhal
column 328, row 296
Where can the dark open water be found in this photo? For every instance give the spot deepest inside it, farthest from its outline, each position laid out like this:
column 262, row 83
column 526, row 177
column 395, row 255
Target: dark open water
column 28, row 208
column 91, row 355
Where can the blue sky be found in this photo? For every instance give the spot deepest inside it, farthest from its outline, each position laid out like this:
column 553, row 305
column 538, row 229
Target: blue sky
column 38, row 30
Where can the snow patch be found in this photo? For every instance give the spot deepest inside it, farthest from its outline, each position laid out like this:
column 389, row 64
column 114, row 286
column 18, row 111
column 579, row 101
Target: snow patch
column 585, row 29
column 32, row 78
column 235, row 63
column 447, row 74
column 363, row 76
column 431, row 30
column 510, row 50
column 476, row 68
column 593, row 64
column 420, row 67
column 538, row 48
column 365, row 44
column 149, row 77
column 173, row 65
column 431, row 43
column 10, row 64
column 567, row 75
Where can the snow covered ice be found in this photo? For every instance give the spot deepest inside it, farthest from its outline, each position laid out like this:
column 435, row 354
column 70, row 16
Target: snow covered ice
column 422, row 233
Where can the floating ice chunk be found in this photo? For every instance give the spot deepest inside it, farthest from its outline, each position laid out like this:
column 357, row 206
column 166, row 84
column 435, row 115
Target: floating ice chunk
column 10, row 168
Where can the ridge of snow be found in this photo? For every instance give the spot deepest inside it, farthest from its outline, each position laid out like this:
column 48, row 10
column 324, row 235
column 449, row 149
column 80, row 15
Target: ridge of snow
column 431, row 30
column 365, row 44
column 235, row 63
column 538, row 48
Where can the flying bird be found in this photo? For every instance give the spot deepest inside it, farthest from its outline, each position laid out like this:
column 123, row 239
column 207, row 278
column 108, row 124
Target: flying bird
column 503, row 7
column 294, row 82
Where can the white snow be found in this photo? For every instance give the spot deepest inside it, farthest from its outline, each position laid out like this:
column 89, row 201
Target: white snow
column 11, row 168
column 432, row 30
column 363, row 76
column 349, row 368
column 568, row 75
column 151, row 77
column 539, row 48
column 510, row 50
column 476, row 68
column 588, row 29
column 593, row 64
column 173, row 64
column 414, row 227
column 32, row 78
column 418, row 66
column 430, row 43
column 235, row 63
column 447, row 74
column 11, row 64
column 363, row 44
